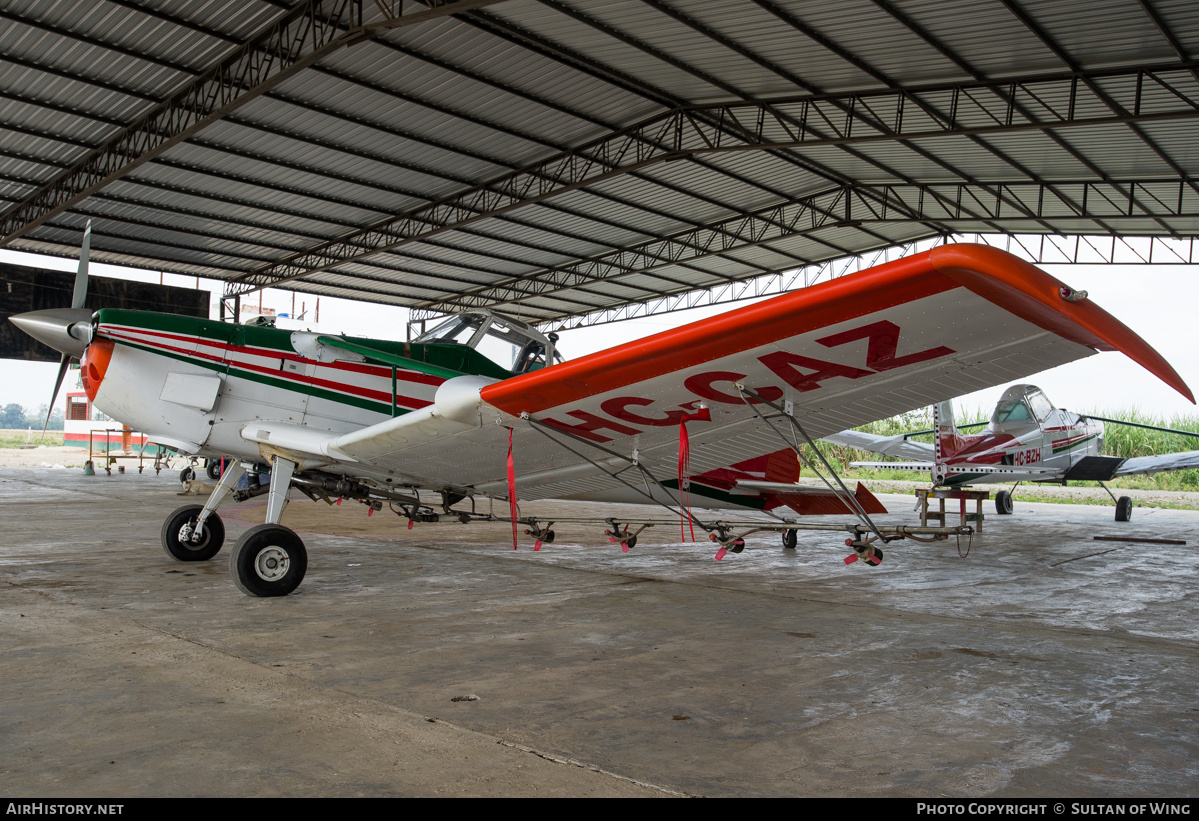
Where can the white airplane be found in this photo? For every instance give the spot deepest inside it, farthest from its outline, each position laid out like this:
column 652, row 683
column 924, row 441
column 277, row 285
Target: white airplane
column 1026, row 440
column 695, row 412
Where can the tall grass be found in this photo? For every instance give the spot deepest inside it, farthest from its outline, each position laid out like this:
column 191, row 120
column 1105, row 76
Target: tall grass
column 15, row 438
column 1125, row 441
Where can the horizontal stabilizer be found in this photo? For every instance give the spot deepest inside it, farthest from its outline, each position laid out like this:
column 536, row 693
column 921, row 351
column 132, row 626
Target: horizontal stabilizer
column 821, row 501
column 886, row 445
column 925, row 466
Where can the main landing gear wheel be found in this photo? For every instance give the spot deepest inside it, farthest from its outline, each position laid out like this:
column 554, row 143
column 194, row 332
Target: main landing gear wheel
column 790, row 539
column 209, row 543
column 1123, row 509
column 268, row 560
column 1003, row 503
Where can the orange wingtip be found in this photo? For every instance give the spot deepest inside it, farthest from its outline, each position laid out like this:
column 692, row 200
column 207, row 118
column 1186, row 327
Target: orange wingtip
column 1032, row 294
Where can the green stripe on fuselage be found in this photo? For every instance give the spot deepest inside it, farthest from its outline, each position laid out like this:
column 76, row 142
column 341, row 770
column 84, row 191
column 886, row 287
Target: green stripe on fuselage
column 444, row 361
column 1073, row 445
column 962, row 478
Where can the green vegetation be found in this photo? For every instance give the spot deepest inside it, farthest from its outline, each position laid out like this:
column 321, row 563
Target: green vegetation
column 15, row 417
column 22, row 436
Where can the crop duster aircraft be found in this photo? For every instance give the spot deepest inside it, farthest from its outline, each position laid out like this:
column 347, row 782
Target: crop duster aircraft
column 1026, row 440
column 694, row 413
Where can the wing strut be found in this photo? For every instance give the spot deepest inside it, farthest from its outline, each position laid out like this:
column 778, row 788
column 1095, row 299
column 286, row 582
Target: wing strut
column 684, row 512
column 850, row 499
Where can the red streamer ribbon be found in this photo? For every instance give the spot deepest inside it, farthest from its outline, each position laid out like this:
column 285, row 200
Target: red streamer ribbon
column 702, row 415
column 684, row 482
column 512, row 488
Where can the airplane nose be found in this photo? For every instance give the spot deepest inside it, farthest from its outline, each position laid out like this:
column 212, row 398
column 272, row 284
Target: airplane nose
column 67, row 330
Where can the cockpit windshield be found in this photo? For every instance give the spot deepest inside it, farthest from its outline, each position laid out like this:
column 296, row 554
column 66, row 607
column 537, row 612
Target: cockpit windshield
column 505, row 341
column 1022, row 403
column 1015, row 411
column 458, row 330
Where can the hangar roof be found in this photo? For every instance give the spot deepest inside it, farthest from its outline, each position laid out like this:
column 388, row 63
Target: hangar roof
column 553, row 158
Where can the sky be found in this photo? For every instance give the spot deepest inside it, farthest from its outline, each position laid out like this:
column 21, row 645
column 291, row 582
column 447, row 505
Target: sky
column 1161, row 303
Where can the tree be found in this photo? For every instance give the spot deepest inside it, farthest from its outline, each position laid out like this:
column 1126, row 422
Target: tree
column 38, row 419
column 12, row 416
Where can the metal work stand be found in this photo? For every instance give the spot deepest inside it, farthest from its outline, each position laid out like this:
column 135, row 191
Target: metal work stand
column 963, row 496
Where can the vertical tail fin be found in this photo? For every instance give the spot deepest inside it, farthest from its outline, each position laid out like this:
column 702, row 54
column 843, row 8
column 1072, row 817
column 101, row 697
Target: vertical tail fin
column 946, row 441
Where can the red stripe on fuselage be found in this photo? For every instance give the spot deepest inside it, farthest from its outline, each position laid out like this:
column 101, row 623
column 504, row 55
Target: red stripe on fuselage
column 978, row 449
column 273, row 353
column 384, row 397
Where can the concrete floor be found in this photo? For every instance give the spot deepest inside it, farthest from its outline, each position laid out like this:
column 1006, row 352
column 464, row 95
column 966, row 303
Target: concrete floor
column 1043, row 664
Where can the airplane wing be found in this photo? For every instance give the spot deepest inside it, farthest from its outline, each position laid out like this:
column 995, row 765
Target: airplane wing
column 896, row 446
column 1159, row 464
column 864, row 347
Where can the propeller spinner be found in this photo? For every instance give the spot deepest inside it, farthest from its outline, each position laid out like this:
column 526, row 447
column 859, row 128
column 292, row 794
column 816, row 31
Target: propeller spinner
column 67, row 330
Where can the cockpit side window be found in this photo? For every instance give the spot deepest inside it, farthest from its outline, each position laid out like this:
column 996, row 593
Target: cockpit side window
column 1041, row 406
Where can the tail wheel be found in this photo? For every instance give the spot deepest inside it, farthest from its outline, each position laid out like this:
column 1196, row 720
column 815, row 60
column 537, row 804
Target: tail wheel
column 1123, row 509
column 1003, row 503
column 790, row 539
column 190, row 549
column 878, row 555
column 268, row 560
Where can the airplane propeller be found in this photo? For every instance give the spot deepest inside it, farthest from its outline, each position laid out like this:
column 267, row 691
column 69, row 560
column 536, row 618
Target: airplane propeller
column 67, row 330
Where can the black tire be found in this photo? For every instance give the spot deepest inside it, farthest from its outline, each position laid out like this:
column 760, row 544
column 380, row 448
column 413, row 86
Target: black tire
column 187, row 474
column 548, row 538
column 878, row 551
column 1003, row 503
column 1123, row 509
column 214, row 469
column 790, row 539
column 631, row 542
column 201, row 551
column 268, row 560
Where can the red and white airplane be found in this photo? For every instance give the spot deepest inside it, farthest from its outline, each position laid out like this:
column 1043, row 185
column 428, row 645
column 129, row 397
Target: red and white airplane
column 1026, row 440
column 711, row 409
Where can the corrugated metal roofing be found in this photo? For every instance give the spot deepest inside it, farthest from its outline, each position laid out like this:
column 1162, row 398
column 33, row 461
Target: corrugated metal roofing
column 1088, row 111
